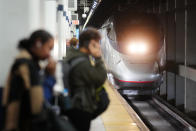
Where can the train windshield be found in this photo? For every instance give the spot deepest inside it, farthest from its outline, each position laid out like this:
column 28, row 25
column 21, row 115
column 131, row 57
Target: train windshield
column 135, row 32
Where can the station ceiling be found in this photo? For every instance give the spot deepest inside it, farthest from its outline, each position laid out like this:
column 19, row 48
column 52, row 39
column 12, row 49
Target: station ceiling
column 107, row 8
column 81, row 4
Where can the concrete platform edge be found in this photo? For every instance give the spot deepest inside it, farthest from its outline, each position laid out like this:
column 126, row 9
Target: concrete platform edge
column 130, row 111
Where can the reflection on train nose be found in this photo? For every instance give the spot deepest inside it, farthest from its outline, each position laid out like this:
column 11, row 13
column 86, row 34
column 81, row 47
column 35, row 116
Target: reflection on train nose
column 137, row 47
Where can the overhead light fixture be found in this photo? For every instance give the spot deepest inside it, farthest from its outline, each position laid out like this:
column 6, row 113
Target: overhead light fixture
column 84, row 15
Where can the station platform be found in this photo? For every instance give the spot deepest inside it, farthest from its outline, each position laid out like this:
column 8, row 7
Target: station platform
column 119, row 116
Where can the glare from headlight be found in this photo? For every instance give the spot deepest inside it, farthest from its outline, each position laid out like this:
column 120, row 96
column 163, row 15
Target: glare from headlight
column 137, row 47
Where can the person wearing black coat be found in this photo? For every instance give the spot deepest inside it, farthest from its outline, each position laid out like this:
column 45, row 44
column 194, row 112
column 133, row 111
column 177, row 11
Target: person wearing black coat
column 85, row 77
column 23, row 93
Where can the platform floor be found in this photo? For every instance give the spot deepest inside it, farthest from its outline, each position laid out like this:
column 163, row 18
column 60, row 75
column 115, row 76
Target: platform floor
column 116, row 117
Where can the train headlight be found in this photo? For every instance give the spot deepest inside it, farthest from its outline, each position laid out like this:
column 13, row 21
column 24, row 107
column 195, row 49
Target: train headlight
column 137, row 48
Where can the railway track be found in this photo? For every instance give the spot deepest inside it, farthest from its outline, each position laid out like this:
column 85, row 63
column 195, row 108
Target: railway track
column 157, row 116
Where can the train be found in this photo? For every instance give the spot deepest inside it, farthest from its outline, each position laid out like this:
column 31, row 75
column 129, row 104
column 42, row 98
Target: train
column 133, row 50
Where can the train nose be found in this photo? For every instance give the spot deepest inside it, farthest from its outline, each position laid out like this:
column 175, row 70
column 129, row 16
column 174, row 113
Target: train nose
column 135, row 74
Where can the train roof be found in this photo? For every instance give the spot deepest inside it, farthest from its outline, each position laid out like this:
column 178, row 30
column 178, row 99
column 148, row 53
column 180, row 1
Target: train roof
column 108, row 8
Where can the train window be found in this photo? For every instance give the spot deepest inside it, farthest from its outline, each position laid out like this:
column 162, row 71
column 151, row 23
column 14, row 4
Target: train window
column 126, row 24
column 112, row 36
column 136, row 27
column 111, row 33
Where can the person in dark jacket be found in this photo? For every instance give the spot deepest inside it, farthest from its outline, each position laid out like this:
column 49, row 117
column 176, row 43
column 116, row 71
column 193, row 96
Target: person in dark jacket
column 49, row 80
column 23, row 94
column 73, row 46
column 85, row 77
column 73, row 42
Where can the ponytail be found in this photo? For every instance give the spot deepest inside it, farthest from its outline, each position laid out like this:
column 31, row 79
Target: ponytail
column 24, row 44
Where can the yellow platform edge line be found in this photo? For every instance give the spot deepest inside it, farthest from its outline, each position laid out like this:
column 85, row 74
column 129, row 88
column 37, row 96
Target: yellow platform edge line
column 127, row 124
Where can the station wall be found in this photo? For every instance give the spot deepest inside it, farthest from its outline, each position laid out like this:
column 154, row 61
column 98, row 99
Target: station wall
column 19, row 18
column 179, row 31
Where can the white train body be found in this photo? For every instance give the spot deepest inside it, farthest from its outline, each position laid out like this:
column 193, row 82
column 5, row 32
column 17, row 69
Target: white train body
column 130, row 71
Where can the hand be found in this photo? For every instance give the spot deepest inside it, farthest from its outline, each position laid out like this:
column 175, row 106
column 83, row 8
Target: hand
column 94, row 48
column 51, row 67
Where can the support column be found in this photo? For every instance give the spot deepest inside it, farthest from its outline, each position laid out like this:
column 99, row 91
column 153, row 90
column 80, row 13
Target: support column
column 60, row 28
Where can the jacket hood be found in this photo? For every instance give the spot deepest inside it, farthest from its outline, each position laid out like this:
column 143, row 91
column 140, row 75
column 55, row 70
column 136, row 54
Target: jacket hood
column 73, row 53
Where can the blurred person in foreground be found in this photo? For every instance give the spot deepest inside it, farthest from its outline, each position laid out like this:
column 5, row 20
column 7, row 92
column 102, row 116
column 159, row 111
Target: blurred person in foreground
column 84, row 78
column 23, row 95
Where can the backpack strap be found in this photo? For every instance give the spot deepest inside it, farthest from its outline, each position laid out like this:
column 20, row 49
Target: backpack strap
column 76, row 61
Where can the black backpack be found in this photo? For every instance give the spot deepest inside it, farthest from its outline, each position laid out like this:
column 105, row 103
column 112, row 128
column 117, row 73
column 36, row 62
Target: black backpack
column 64, row 100
column 67, row 66
column 101, row 100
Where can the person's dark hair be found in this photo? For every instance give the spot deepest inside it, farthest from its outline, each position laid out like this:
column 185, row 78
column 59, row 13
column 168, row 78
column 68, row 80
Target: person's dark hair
column 73, row 41
column 87, row 35
column 41, row 35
